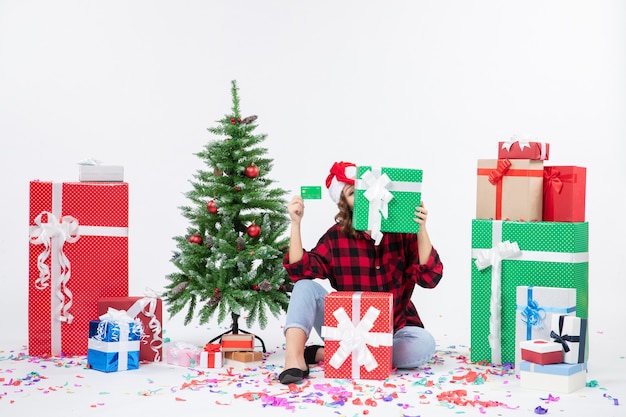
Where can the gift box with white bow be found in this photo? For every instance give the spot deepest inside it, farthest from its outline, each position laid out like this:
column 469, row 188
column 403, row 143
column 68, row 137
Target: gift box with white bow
column 509, row 189
column 114, row 342
column 78, row 254
column 385, row 200
column 523, row 148
column 183, row 354
column 358, row 335
column 149, row 310
column 508, row 254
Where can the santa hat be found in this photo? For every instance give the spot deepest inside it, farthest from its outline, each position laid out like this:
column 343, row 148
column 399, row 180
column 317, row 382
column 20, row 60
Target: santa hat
column 341, row 174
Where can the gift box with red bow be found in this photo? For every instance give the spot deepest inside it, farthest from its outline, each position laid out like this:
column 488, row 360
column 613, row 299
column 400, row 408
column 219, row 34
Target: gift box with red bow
column 509, row 189
column 78, row 254
column 211, row 356
column 358, row 335
column 564, row 189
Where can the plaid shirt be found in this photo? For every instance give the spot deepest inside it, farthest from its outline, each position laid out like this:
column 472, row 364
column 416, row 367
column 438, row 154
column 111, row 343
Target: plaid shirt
column 356, row 264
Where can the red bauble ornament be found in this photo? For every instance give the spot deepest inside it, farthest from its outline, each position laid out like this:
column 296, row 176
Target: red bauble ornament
column 196, row 239
column 255, row 287
column 236, row 188
column 211, row 206
column 253, row 230
column 252, row 171
column 215, row 291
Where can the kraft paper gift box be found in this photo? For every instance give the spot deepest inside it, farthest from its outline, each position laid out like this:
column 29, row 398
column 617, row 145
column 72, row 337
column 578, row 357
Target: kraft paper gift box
column 182, row 354
column 385, row 200
column 358, row 335
column 542, row 352
column 149, row 310
column 237, row 342
column 247, row 358
column 521, row 149
column 509, row 189
column 211, row 356
column 563, row 378
column 564, row 193
column 114, row 342
column 80, row 228
column 100, row 173
column 536, row 306
column 506, row 255
column 571, row 334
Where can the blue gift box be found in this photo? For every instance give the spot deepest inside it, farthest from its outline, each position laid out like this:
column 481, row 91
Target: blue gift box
column 113, row 345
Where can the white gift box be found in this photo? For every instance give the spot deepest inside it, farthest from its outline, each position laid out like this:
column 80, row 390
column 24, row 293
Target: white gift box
column 559, row 377
column 571, row 333
column 100, row 173
column 535, row 308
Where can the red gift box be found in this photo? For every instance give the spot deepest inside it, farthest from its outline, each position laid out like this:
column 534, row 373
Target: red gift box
column 150, row 311
column 542, row 352
column 211, row 356
column 564, row 189
column 236, row 342
column 78, row 254
column 509, row 189
column 358, row 335
column 517, row 149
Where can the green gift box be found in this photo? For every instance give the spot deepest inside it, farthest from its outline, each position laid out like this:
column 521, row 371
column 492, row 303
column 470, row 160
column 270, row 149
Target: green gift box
column 508, row 254
column 385, row 200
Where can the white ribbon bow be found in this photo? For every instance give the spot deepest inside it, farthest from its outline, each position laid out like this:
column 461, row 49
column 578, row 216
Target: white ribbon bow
column 354, row 340
column 523, row 140
column 139, row 307
column 378, row 194
column 53, row 234
column 121, row 332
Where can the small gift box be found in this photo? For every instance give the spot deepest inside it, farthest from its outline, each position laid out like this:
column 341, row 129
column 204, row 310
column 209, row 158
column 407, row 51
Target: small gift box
column 211, row 356
column 358, row 335
column 245, row 358
column 149, row 310
column 571, row 333
column 237, row 342
column 385, row 200
column 560, row 377
column 100, row 173
column 78, row 233
column 509, row 189
column 183, row 354
column 564, row 193
column 542, row 352
column 523, row 148
column 113, row 343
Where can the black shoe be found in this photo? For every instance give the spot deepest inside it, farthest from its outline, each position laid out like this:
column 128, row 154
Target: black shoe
column 310, row 352
column 292, row 375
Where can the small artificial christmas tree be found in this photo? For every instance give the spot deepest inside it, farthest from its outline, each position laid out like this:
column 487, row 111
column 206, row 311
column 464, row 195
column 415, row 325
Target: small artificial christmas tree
column 230, row 261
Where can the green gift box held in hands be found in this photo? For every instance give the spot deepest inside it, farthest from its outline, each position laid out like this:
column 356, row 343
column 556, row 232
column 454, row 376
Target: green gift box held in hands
column 385, row 199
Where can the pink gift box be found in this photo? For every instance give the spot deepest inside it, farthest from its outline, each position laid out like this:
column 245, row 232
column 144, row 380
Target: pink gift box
column 368, row 314
column 543, row 352
column 79, row 250
column 183, row 354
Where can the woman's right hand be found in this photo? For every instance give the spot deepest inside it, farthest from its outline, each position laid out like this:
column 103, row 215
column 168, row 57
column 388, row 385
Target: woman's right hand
column 296, row 208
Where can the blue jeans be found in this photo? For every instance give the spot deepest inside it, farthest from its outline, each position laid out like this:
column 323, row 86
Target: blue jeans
column 412, row 346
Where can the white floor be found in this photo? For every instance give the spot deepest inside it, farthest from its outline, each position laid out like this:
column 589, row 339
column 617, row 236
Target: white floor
column 65, row 387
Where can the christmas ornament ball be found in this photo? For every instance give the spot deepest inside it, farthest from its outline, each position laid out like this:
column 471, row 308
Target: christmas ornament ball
column 195, row 239
column 252, row 171
column 254, row 230
column 211, row 206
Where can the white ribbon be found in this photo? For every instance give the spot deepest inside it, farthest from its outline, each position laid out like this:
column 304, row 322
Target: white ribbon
column 378, row 195
column 139, row 307
column 354, row 337
column 493, row 257
column 52, row 235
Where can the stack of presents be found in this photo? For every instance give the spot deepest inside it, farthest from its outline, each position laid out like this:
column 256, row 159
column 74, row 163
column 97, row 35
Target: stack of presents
column 78, row 278
column 529, row 272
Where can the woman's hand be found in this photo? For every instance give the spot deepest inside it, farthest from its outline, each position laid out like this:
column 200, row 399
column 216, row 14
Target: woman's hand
column 296, row 208
column 420, row 216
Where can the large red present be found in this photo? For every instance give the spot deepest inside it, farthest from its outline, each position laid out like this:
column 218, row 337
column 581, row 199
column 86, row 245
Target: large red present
column 564, row 189
column 358, row 335
column 149, row 310
column 78, row 254
column 509, row 189
column 520, row 149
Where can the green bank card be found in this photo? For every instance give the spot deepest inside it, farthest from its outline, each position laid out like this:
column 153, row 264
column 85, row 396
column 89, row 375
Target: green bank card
column 311, row 192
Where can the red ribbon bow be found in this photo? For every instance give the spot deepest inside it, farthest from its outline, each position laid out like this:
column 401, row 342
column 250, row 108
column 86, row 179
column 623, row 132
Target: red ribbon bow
column 212, row 347
column 551, row 178
column 339, row 170
column 501, row 169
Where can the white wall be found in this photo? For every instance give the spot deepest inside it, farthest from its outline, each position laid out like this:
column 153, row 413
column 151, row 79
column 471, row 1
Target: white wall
column 427, row 84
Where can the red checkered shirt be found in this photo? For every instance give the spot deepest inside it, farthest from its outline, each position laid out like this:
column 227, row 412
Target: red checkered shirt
column 356, row 264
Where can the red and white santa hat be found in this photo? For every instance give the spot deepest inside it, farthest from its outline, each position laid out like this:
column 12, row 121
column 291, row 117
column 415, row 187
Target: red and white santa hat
column 341, row 174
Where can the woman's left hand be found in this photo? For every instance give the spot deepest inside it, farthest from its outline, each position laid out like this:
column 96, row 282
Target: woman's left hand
column 420, row 215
